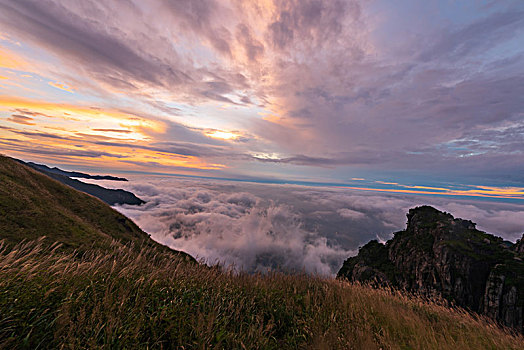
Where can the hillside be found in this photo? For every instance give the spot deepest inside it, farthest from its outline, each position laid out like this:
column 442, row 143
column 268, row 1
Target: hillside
column 106, row 294
column 131, row 300
column 440, row 255
column 32, row 205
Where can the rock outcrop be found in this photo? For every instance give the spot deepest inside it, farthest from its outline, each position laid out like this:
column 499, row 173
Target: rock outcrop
column 440, row 255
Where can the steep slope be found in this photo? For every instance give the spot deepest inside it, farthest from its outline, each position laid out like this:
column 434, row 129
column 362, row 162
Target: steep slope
column 33, row 205
column 440, row 255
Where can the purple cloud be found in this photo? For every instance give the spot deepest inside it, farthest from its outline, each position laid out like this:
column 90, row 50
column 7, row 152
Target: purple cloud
column 344, row 85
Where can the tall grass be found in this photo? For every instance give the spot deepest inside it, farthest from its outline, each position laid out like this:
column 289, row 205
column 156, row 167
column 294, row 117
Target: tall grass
column 53, row 299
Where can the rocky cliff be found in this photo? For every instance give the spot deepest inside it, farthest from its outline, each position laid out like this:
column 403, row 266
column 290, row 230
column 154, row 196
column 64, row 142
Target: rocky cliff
column 440, row 255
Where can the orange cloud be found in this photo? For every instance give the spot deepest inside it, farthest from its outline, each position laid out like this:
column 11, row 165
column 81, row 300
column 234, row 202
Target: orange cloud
column 481, row 191
column 90, row 136
column 61, row 87
column 387, row 183
column 83, row 118
column 125, row 155
column 9, row 59
column 223, row 135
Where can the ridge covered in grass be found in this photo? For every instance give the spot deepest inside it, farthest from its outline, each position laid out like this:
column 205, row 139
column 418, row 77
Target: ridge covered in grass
column 32, row 205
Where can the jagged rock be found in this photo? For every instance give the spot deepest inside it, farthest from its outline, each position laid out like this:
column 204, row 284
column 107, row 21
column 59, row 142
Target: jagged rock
column 440, row 255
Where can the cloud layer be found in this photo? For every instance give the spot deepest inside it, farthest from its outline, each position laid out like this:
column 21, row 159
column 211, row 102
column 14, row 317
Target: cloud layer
column 257, row 227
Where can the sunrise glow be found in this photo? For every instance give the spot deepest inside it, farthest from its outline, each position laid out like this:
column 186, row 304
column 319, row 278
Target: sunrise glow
column 224, row 135
column 332, row 92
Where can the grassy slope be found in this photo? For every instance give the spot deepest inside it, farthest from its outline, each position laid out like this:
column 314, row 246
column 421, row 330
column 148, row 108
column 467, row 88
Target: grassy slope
column 33, row 205
column 112, row 296
column 138, row 300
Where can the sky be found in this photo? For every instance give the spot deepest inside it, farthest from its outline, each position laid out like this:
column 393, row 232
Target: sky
column 408, row 97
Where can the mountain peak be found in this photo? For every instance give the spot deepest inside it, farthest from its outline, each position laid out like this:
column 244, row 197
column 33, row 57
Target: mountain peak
column 429, row 220
column 440, row 254
column 427, row 213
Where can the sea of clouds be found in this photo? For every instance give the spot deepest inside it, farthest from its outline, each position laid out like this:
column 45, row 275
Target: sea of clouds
column 261, row 227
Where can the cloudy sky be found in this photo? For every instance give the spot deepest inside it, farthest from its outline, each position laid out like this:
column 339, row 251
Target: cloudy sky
column 401, row 96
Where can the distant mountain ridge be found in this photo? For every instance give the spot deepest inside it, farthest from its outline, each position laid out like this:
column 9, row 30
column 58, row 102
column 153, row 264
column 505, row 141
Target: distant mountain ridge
column 110, row 196
column 76, row 174
column 440, row 255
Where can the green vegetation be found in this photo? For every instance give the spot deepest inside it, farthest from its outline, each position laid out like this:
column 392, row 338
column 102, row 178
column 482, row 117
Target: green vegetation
column 146, row 299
